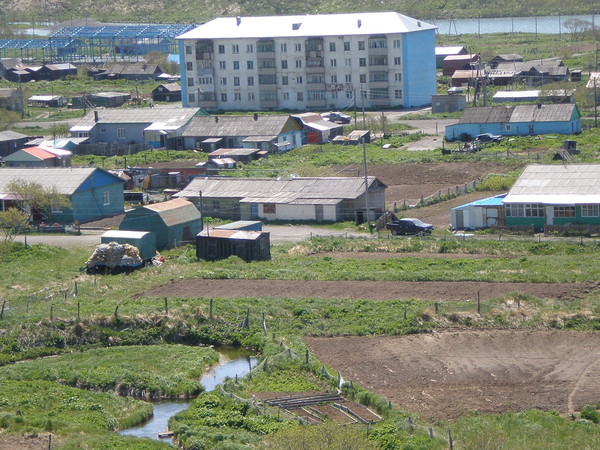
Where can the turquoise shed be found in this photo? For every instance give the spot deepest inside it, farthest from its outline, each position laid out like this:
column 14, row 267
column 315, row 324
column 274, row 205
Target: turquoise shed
column 174, row 222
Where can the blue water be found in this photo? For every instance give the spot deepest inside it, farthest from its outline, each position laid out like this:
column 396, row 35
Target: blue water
column 235, row 362
column 543, row 25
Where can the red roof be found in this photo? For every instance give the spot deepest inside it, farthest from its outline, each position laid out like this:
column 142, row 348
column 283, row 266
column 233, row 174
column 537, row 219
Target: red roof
column 39, row 153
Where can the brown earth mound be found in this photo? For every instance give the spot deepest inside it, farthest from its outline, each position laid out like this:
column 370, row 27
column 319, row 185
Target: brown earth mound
column 444, row 375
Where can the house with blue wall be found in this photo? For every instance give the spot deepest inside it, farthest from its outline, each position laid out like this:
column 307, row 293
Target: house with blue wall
column 516, row 120
column 93, row 193
column 155, row 127
column 275, row 133
column 555, row 194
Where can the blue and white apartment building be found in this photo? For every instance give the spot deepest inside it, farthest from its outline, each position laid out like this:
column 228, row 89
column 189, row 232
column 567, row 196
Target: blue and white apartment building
column 309, row 62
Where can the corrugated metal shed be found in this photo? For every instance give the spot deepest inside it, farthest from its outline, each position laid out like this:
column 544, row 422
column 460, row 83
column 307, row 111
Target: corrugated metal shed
column 259, row 125
column 176, row 211
column 557, row 184
column 561, row 112
column 171, row 116
column 219, row 243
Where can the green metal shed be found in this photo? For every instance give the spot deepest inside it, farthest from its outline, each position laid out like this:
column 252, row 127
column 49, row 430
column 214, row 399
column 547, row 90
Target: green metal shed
column 175, row 222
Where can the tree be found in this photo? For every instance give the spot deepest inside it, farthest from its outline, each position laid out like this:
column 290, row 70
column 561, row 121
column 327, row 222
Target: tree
column 12, row 221
column 35, row 197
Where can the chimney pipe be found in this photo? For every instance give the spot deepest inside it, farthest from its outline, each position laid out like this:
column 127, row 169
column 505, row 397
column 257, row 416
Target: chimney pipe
column 359, row 23
column 255, row 117
column 96, row 118
column 216, row 119
column 238, row 20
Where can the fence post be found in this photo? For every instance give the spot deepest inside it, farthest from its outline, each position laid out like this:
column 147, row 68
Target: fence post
column 436, row 307
column 405, row 312
column 78, row 311
column 264, row 324
column 430, row 432
column 117, row 312
column 166, row 306
column 478, row 304
column 3, row 306
column 306, row 357
column 75, row 289
column 450, row 443
column 51, row 312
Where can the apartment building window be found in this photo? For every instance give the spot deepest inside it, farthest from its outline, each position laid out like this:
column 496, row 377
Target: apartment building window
column 378, row 77
column 286, row 95
column 205, row 80
column 236, row 81
column 249, row 48
column 334, row 95
column 283, row 47
column 188, row 49
column 299, row 80
column 298, row 64
column 298, row 47
column 361, row 45
column 223, row 81
column 223, row 97
column 189, row 65
column 397, row 43
column 267, row 96
column 223, row 65
column 250, row 96
column 284, row 64
column 398, row 93
column 300, row 96
column 236, row 65
column 348, row 62
column 221, row 49
column 121, row 133
column 250, row 65
column 267, row 79
column 362, row 62
column 315, row 79
column 397, row 60
column 348, row 78
column 362, row 78
column 235, row 48
column 266, row 46
column 284, row 80
column 250, row 81
column 397, row 77
column 237, row 97
column 332, row 46
column 379, row 42
column 378, row 93
column 334, row 78
column 333, row 63
column 349, row 95
column 190, row 81
column 346, row 46
column 315, row 94
column 191, row 98
column 378, row 60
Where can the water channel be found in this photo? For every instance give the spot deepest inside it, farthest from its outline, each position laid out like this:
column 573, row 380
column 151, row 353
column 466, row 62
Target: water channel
column 233, row 361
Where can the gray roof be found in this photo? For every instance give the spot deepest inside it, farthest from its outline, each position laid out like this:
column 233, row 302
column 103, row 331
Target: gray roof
column 557, row 184
column 10, row 136
column 171, row 87
column 236, row 126
column 519, row 113
column 65, row 180
column 8, row 92
column 279, row 191
column 133, row 68
column 170, row 116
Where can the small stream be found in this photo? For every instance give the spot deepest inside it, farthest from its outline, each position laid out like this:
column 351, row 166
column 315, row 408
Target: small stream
column 233, row 361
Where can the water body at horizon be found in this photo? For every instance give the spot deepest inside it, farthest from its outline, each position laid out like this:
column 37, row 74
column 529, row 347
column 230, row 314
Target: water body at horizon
column 533, row 24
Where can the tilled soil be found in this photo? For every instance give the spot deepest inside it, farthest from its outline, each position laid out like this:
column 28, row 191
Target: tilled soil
column 367, row 290
column 445, row 375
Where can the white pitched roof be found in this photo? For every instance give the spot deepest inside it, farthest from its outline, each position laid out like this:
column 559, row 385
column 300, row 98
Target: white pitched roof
column 65, row 180
column 565, row 184
column 366, row 23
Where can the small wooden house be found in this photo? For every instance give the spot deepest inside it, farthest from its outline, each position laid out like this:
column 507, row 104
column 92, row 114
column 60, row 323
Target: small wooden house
column 169, row 92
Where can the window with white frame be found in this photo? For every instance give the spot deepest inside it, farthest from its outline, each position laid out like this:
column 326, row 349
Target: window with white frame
column 286, row 95
column 397, row 77
column 346, row 46
column 298, row 47
column 398, row 93
column 334, row 95
column 121, row 133
column 237, row 97
column 298, row 64
column 299, row 80
column 223, row 97
column 106, row 197
column 284, row 64
column 348, row 78
column 235, row 48
column 283, row 47
column 221, row 49
column 236, row 81
column 507, row 127
column 55, row 207
column 348, row 62
column 250, row 81
column 222, row 65
column 250, row 65
column 397, row 60
column 564, row 211
column 236, row 65
column 315, row 94
column 284, row 80
column 188, row 49
column 397, row 43
column 191, row 98
column 332, row 46
column 249, row 48
column 361, row 45
column 223, row 81
column 300, row 96
column 189, row 65
column 334, row 78
column 269, row 208
column 250, row 96
column 333, row 63
column 190, row 81
column 524, row 210
column 590, row 210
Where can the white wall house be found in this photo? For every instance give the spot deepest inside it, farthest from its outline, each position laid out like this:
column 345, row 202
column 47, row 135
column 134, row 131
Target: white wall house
column 310, row 62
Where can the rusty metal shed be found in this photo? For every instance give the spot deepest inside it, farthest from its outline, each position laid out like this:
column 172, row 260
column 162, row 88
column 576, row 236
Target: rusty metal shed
column 220, row 243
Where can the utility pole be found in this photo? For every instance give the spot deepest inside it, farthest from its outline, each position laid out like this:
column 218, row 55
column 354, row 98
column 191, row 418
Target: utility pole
column 366, row 184
column 362, row 99
column 354, row 95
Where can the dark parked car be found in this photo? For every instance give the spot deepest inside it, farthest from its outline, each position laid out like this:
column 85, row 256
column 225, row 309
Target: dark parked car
column 488, row 137
column 409, row 226
column 336, row 117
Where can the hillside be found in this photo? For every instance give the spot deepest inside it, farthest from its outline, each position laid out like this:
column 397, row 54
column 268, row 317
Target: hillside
column 196, row 11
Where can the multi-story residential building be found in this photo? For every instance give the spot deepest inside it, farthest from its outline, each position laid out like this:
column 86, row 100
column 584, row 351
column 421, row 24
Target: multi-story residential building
column 311, row 62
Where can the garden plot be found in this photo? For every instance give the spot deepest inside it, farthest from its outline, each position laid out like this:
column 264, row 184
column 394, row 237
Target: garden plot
column 445, row 375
